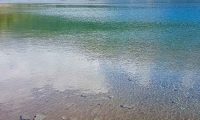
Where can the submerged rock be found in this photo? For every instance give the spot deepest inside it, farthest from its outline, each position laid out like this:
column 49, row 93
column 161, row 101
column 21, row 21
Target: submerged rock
column 110, row 97
column 84, row 96
column 126, row 106
column 39, row 117
column 173, row 102
column 23, row 119
column 130, row 79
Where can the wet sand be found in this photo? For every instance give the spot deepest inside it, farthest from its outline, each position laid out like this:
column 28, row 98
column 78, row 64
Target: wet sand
column 72, row 106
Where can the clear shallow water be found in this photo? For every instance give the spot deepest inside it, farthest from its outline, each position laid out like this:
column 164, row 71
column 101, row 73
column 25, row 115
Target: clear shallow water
column 100, row 61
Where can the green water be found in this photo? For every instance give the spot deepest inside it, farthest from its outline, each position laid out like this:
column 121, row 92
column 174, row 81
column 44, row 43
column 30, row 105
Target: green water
column 145, row 55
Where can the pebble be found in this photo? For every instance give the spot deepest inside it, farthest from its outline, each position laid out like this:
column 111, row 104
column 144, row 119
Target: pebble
column 39, row 117
column 84, row 96
column 126, row 106
column 110, row 97
column 24, row 118
column 129, row 79
column 173, row 102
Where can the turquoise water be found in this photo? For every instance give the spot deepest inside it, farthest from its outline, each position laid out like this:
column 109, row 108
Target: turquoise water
column 138, row 60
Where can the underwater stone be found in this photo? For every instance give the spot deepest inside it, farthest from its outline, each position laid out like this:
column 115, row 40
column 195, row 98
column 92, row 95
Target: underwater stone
column 126, row 106
column 110, row 97
column 84, row 96
column 23, row 119
column 39, row 117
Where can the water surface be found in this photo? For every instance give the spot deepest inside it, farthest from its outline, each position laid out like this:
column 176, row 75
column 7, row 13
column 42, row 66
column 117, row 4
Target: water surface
column 100, row 60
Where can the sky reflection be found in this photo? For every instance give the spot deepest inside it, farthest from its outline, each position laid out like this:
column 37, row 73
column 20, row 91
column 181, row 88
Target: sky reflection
column 36, row 66
column 124, row 51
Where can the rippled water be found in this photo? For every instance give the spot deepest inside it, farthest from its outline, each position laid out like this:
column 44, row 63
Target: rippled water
column 100, row 61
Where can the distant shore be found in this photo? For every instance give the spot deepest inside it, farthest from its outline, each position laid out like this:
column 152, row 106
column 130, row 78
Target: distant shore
column 5, row 5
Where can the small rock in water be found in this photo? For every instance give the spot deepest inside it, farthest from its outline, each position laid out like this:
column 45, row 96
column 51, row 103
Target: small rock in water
column 129, row 79
column 39, row 117
column 84, row 96
column 110, row 97
column 24, row 118
column 173, row 102
column 163, row 86
column 126, row 106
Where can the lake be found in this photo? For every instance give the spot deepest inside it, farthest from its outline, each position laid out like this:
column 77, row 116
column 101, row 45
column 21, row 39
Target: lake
column 100, row 60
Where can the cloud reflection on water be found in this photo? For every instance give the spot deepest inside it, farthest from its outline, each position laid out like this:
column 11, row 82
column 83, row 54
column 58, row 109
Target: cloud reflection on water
column 32, row 67
column 138, row 60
